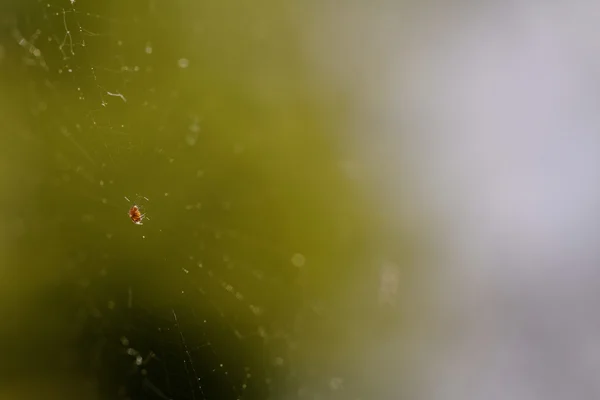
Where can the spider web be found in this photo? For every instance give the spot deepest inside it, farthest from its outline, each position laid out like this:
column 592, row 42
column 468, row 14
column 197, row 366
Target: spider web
column 259, row 273
column 200, row 302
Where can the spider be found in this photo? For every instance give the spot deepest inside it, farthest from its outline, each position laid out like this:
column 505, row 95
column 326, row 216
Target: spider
column 135, row 213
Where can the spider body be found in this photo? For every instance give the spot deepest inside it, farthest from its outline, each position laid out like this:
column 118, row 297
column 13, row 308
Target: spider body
column 135, row 213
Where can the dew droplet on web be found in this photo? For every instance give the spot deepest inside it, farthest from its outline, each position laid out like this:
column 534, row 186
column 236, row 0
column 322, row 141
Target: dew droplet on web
column 191, row 138
column 389, row 283
column 255, row 309
column 194, row 127
column 298, row 260
column 183, row 63
column 148, row 48
column 238, row 148
column 336, row 383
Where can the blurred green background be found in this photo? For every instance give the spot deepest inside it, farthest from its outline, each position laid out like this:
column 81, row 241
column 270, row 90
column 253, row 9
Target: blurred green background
column 256, row 232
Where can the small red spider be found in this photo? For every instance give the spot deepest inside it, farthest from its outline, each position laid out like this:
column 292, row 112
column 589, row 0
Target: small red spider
column 135, row 213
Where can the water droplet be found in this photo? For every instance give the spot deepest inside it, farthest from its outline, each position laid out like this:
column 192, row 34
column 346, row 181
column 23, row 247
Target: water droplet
column 336, row 383
column 298, row 260
column 256, row 310
column 191, row 138
column 183, row 63
column 238, row 148
column 194, row 127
